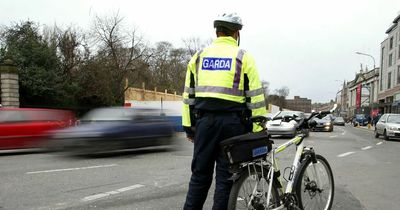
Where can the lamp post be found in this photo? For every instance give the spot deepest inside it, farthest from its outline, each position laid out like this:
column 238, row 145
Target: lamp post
column 360, row 53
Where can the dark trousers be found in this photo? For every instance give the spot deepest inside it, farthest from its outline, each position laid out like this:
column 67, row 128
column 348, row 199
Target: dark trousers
column 211, row 129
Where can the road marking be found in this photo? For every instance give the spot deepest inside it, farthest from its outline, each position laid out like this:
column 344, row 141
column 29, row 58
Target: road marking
column 114, row 192
column 367, row 147
column 346, row 154
column 379, row 143
column 342, row 130
column 333, row 136
column 70, row 169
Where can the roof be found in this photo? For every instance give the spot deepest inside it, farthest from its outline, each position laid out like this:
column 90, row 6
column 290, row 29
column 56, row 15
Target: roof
column 396, row 19
column 391, row 28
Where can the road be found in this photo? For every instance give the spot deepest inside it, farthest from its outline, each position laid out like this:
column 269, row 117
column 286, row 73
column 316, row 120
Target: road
column 365, row 171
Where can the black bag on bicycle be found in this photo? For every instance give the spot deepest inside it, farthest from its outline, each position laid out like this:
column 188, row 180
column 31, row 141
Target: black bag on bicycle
column 246, row 147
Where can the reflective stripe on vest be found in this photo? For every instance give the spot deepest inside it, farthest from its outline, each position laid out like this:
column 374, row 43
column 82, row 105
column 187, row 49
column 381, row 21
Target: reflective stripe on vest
column 239, row 58
column 188, row 101
column 198, row 66
column 215, row 89
column 251, row 93
column 189, row 90
column 256, row 105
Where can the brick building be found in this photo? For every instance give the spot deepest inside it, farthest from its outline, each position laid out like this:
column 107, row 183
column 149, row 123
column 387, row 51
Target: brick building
column 299, row 104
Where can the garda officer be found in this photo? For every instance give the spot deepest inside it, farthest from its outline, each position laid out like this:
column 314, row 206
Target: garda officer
column 222, row 89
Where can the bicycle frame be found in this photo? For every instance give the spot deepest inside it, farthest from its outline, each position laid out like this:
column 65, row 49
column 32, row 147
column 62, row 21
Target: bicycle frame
column 298, row 141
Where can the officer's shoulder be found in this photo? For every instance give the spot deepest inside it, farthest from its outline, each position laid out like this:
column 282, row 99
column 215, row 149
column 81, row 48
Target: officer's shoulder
column 247, row 54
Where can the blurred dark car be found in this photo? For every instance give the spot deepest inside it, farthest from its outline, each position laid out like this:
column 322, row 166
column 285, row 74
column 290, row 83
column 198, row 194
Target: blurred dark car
column 324, row 124
column 116, row 128
column 28, row 127
column 360, row 119
column 339, row 121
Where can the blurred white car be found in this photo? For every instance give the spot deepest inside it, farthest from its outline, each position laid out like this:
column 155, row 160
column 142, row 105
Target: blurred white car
column 282, row 128
column 388, row 126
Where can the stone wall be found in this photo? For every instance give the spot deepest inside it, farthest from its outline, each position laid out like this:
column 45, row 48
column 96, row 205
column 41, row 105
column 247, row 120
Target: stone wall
column 141, row 94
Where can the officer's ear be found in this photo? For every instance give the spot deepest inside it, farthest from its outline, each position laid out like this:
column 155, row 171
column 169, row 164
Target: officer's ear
column 236, row 35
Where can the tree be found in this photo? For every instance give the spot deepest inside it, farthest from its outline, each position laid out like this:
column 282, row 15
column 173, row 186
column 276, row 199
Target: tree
column 168, row 67
column 37, row 62
column 195, row 44
column 121, row 54
column 276, row 100
column 283, row 91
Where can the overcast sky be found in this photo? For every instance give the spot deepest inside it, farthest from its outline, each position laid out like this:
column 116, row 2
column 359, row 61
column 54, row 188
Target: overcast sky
column 308, row 46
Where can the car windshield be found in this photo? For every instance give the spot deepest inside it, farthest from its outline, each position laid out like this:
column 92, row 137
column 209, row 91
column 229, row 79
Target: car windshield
column 121, row 114
column 360, row 116
column 108, row 114
column 289, row 113
column 394, row 119
column 339, row 119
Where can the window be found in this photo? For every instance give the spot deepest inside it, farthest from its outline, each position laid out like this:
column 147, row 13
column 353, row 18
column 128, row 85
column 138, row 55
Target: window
column 398, row 74
column 398, row 53
column 390, row 60
column 389, row 81
column 391, row 43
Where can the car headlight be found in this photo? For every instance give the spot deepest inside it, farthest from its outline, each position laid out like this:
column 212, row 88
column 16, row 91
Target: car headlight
column 392, row 128
column 328, row 123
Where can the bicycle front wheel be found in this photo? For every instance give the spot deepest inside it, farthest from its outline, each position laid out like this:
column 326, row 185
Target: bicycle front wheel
column 315, row 184
column 251, row 189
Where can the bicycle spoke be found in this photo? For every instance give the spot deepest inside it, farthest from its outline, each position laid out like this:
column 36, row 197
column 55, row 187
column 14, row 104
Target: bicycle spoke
column 315, row 186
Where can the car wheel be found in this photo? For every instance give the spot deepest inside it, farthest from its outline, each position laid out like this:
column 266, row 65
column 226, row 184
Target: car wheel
column 385, row 135
column 376, row 133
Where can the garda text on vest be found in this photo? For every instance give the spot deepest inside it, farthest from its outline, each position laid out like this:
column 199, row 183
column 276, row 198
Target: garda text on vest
column 216, row 64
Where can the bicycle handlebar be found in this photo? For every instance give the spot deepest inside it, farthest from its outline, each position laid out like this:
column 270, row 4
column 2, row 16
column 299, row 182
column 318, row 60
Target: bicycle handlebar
column 302, row 122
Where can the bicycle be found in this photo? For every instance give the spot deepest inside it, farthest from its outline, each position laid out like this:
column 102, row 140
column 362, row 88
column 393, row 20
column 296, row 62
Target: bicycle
column 257, row 178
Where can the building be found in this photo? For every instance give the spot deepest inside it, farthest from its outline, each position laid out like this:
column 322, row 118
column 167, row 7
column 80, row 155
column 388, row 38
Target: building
column 362, row 93
column 342, row 101
column 389, row 75
column 299, row 104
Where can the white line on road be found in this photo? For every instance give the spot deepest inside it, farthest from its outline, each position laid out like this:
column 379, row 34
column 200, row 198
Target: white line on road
column 346, row 154
column 70, row 169
column 379, row 143
column 342, row 130
column 367, row 147
column 334, row 136
column 102, row 195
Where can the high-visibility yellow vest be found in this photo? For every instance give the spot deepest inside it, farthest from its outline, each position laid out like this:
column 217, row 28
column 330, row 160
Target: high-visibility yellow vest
column 218, row 71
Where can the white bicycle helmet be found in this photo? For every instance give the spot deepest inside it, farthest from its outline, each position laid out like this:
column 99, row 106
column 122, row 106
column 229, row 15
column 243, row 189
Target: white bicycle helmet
column 231, row 21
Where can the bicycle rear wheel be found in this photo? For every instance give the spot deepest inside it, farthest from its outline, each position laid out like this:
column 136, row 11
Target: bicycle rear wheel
column 247, row 192
column 315, row 184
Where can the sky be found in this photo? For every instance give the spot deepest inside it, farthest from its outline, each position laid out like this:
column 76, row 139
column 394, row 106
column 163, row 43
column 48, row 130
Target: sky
column 308, row 46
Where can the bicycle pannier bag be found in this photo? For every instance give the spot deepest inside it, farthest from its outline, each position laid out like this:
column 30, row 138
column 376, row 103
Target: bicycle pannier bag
column 246, row 147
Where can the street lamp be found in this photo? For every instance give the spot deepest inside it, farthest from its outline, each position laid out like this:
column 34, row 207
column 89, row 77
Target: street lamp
column 360, row 53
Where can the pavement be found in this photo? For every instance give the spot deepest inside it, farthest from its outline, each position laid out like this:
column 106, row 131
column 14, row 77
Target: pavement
column 370, row 128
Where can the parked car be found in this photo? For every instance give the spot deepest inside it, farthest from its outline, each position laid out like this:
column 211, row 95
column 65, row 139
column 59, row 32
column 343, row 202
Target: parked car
column 324, row 124
column 360, row 119
column 282, row 128
column 388, row 126
column 116, row 128
column 339, row 121
column 27, row 128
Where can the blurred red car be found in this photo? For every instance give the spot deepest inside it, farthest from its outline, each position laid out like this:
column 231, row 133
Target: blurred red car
column 28, row 127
